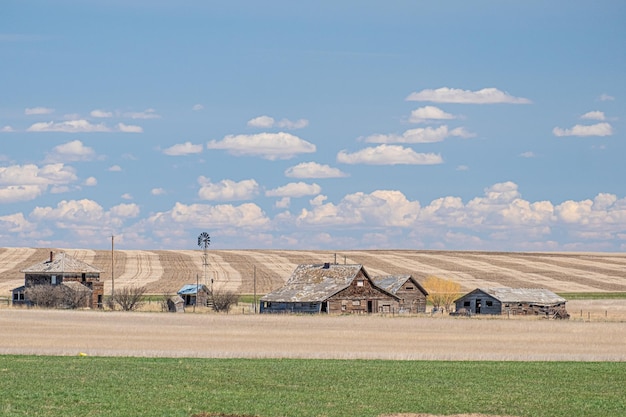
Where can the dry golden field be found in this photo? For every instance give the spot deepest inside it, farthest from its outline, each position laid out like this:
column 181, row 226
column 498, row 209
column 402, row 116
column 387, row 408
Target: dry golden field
column 57, row 332
column 165, row 271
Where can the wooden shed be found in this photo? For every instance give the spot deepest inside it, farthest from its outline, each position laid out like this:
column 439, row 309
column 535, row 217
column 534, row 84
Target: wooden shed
column 193, row 293
column 333, row 288
column 515, row 301
column 61, row 269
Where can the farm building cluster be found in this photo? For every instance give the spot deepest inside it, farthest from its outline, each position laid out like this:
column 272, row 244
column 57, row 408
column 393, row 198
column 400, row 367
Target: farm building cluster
column 312, row 288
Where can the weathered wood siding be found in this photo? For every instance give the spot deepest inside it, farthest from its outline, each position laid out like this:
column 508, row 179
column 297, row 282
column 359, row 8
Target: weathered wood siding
column 412, row 299
column 288, row 307
column 479, row 303
column 362, row 297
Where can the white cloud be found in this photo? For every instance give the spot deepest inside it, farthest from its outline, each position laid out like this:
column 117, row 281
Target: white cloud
column 227, row 190
column 314, row 170
column 420, row 135
column 91, row 181
column 70, row 214
column 283, row 203
column 262, row 122
column 593, row 115
column 244, row 216
column 70, row 126
column 15, row 223
column 455, row 95
column 101, row 113
column 599, row 129
column 528, row 154
column 294, row 190
column 127, row 196
column 7, row 129
column 266, row 122
column 129, row 128
column 462, row 168
column 125, row 210
column 71, row 152
column 16, row 193
column 606, row 97
column 115, row 168
column 27, row 182
column 388, row 155
column 197, row 107
column 270, row 146
column 38, row 110
column 181, row 149
column 157, row 191
column 146, row 114
column 428, row 113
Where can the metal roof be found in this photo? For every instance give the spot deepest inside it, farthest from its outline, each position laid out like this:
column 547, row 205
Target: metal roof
column 311, row 283
column 192, row 289
column 523, row 295
column 392, row 283
column 61, row 263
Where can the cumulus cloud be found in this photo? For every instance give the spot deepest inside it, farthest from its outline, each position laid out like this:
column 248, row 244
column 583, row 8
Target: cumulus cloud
column 599, row 129
column 227, row 190
column 91, row 182
column 428, row 113
column 7, row 128
column 101, row 113
column 27, row 182
column 266, row 122
column 197, row 107
column 606, row 97
column 314, row 170
column 182, row 149
column 528, row 154
column 125, row 210
column 244, row 216
column 115, row 168
column 81, row 126
column 420, row 135
column 71, row 152
column 157, row 191
column 127, row 196
column 455, row 95
column 38, row 110
column 593, row 115
column 294, row 190
column 388, row 155
column 283, row 203
column 270, row 146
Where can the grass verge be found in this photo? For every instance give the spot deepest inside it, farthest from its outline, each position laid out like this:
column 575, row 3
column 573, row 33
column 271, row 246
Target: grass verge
column 593, row 295
column 100, row 386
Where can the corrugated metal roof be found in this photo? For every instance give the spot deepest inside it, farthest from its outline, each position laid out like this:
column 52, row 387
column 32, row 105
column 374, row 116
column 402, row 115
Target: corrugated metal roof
column 192, row 289
column 61, row 263
column 524, row 295
column 311, row 283
column 391, row 283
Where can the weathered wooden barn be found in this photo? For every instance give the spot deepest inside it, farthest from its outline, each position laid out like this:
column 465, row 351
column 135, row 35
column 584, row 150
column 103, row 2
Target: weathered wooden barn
column 61, row 269
column 333, row 288
column 514, row 301
column 193, row 294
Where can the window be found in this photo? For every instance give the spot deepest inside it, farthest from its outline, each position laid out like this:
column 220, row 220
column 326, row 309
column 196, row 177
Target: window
column 489, row 303
column 409, row 288
column 359, row 283
column 53, row 279
column 466, row 304
column 356, row 302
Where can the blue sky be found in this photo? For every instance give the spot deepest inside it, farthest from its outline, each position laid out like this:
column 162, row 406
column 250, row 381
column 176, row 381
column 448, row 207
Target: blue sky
column 484, row 125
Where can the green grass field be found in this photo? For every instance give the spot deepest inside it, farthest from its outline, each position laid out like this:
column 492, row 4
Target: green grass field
column 99, row 386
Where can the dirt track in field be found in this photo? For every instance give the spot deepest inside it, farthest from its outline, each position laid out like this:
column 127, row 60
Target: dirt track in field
column 166, row 271
column 54, row 332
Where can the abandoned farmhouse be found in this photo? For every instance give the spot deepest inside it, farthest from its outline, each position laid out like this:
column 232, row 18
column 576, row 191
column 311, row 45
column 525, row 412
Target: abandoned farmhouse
column 75, row 278
column 333, row 288
column 516, row 301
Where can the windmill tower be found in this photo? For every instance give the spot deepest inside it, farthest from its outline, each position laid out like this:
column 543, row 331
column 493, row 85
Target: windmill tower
column 204, row 240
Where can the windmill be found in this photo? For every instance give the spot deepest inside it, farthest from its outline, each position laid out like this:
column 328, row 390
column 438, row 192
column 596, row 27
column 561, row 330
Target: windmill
column 204, row 240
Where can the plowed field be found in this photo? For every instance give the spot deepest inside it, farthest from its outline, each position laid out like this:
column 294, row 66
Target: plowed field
column 164, row 271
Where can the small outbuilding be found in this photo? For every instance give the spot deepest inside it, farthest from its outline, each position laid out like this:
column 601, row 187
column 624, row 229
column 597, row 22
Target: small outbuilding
column 341, row 289
column 515, row 301
column 194, row 294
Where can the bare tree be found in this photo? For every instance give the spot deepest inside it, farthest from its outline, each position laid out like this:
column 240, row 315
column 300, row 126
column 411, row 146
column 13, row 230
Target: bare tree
column 44, row 296
column 129, row 298
column 223, row 300
column 58, row 296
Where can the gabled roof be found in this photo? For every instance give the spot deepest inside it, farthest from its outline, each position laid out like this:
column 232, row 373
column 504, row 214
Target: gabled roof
column 315, row 283
column 392, row 283
column 522, row 295
column 59, row 264
column 192, row 289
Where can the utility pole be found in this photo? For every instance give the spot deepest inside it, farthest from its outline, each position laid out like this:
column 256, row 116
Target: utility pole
column 112, row 267
column 254, row 279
